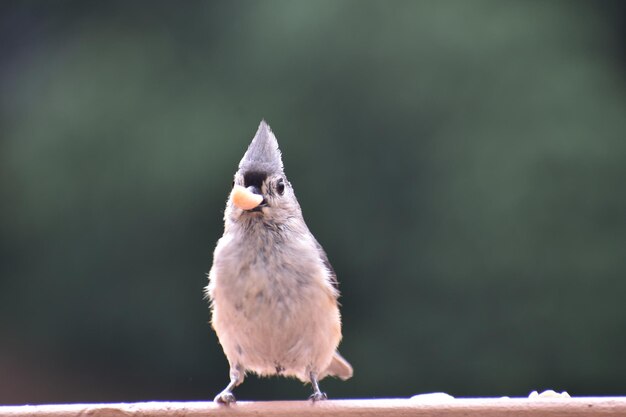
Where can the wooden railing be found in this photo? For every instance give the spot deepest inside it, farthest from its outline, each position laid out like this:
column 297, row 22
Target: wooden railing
column 485, row 407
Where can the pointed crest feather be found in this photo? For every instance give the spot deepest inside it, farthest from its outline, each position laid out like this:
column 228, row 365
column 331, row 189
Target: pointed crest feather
column 263, row 154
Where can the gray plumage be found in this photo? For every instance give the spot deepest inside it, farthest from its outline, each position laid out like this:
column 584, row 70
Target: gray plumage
column 263, row 154
column 273, row 292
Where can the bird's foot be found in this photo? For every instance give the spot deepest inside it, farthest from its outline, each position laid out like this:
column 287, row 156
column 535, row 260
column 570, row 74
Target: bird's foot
column 225, row 397
column 318, row 396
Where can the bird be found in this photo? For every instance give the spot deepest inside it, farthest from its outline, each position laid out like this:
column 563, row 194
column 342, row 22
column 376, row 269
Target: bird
column 273, row 293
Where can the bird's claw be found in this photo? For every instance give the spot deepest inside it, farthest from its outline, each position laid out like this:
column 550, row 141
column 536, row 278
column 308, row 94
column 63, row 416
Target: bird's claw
column 225, row 397
column 318, row 396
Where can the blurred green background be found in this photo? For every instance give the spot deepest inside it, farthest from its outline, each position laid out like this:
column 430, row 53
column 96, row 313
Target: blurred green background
column 463, row 163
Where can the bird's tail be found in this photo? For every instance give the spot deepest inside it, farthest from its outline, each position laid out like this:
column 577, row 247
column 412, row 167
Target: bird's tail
column 338, row 367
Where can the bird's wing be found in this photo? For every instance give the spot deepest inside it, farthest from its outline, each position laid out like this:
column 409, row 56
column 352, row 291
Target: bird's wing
column 331, row 272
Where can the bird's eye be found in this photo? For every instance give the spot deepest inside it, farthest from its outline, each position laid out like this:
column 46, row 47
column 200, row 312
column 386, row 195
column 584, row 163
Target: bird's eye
column 233, row 184
column 280, row 186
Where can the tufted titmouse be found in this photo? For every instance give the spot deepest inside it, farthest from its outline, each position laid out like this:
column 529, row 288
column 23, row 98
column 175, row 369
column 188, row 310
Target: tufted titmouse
column 273, row 292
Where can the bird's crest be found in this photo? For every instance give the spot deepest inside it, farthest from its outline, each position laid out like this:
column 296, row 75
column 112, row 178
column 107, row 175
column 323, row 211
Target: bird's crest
column 263, row 154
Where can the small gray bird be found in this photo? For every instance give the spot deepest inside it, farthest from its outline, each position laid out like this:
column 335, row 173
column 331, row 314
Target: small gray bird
column 273, row 292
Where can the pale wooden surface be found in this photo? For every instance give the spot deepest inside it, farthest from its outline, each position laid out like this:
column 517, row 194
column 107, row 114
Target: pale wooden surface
column 557, row 407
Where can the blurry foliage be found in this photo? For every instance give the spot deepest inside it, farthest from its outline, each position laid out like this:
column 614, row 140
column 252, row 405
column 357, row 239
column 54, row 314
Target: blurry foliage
column 461, row 162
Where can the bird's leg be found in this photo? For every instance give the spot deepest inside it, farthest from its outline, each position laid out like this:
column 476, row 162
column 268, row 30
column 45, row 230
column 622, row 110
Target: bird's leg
column 236, row 378
column 317, row 395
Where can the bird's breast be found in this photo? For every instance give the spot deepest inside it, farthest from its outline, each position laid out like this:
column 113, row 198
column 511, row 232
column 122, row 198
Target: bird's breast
column 269, row 272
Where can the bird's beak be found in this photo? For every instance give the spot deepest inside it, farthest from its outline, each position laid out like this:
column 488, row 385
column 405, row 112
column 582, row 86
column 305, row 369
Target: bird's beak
column 246, row 198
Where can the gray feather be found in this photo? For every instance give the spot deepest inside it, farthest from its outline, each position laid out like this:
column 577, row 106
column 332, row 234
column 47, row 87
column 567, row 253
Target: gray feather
column 332, row 275
column 263, row 154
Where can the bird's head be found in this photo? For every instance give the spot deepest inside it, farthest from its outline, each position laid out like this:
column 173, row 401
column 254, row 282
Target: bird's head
column 261, row 191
